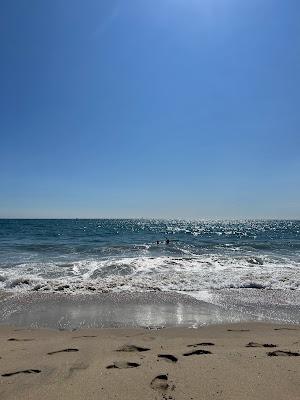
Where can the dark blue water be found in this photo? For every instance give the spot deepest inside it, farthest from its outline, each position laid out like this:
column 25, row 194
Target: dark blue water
column 112, row 255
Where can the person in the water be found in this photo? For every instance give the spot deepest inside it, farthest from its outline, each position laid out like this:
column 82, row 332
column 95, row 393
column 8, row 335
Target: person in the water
column 167, row 241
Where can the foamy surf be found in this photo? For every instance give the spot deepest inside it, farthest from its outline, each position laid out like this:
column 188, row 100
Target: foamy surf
column 191, row 274
column 82, row 256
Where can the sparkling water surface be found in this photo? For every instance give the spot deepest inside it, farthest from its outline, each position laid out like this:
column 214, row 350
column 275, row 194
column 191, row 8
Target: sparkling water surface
column 123, row 255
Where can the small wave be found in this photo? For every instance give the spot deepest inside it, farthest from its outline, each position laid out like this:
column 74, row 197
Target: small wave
column 112, row 270
column 188, row 273
column 255, row 261
column 40, row 247
column 21, row 281
column 249, row 285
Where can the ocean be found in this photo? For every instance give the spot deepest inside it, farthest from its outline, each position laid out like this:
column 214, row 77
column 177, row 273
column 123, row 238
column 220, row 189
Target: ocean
column 122, row 255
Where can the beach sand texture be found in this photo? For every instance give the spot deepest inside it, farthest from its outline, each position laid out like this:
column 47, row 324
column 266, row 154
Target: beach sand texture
column 236, row 361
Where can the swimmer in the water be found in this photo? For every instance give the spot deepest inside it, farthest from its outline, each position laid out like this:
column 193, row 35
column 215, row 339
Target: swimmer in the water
column 167, row 241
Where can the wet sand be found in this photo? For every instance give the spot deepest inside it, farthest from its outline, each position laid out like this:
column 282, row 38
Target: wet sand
column 229, row 361
column 63, row 311
column 128, row 310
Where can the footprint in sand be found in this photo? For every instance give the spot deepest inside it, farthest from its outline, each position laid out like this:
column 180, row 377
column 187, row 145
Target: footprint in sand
column 62, row 351
column 168, row 357
column 25, row 371
column 19, row 340
column 254, row 344
column 197, row 352
column 77, row 366
column 132, row 348
column 285, row 329
column 123, row 364
column 201, row 344
column 160, row 382
column 283, row 353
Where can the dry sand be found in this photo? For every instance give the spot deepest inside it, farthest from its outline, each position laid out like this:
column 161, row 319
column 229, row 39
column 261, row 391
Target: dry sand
column 151, row 364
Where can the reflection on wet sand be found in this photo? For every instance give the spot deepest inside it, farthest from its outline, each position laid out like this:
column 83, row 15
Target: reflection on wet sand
column 113, row 310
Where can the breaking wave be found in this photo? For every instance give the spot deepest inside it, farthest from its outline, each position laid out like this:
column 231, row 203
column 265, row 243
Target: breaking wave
column 136, row 274
column 123, row 255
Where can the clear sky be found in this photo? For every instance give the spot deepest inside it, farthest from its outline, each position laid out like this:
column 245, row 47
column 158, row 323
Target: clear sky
column 150, row 108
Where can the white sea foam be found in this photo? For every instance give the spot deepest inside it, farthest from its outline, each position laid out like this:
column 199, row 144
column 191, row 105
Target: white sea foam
column 189, row 274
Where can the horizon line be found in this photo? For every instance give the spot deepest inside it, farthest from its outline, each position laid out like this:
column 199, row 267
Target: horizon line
column 156, row 218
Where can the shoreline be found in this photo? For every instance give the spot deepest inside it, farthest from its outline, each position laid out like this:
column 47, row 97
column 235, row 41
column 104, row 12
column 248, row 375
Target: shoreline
column 147, row 309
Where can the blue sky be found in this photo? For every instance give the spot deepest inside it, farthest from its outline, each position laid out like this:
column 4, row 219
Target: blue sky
column 161, row 108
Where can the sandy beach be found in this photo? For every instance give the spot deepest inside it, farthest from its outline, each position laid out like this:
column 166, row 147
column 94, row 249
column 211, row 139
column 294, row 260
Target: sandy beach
column 147, row 346
column 235, row 361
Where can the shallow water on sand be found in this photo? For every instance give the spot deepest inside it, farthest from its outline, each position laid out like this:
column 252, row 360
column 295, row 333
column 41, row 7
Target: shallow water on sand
column 151, row 310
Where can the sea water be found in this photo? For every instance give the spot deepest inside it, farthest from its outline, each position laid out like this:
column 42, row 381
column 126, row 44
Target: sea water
column 113, row 255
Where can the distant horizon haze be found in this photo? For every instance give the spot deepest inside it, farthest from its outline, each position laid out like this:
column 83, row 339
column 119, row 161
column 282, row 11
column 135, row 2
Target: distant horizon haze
column 188, row 219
